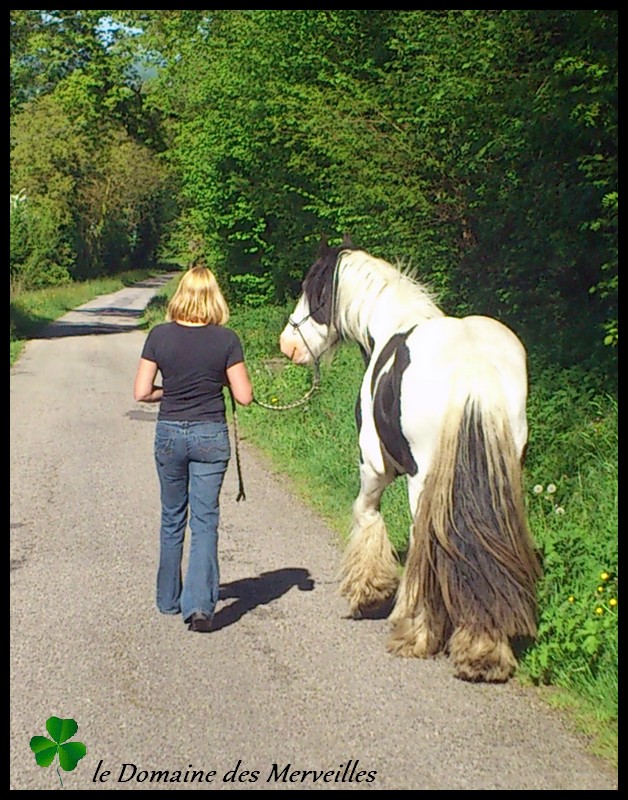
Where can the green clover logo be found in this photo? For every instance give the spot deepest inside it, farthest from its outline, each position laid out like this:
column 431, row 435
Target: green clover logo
column 70, row 753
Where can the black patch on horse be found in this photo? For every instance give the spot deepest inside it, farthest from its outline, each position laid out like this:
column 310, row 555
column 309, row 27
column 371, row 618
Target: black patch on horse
column 358, row 413
column 386, row 394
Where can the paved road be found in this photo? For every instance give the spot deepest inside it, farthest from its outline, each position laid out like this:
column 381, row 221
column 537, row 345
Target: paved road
column 287, row 689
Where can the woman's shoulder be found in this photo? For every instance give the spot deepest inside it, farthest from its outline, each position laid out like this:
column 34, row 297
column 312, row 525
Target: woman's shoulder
column 161, row 328
column 227, row 334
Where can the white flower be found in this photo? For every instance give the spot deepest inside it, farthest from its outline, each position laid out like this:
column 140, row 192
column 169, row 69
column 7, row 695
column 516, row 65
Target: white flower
column 559, row 510
column 537, row 489
column 551, row 488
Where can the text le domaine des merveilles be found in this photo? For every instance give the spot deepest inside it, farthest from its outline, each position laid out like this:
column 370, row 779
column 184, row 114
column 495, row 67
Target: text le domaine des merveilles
column 344, row 773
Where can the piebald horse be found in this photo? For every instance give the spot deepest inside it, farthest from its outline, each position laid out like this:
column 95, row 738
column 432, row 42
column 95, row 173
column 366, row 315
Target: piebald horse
column 443, row 402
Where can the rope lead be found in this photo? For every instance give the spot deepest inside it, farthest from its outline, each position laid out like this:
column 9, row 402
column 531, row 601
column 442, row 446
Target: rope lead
column 315, row 383
column 236, row 434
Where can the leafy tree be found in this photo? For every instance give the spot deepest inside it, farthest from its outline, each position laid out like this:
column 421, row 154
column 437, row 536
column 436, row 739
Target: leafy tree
column 479, row 145
column 83, row 148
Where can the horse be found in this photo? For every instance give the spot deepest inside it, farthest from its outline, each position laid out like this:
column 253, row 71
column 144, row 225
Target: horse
column 443, row 402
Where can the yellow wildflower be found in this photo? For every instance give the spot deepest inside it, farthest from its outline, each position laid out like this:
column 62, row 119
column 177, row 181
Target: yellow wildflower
column 612, row 602
column 599, row 610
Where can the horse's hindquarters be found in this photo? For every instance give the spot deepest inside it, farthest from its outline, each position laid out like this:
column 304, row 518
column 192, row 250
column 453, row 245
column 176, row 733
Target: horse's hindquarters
column 452, row 360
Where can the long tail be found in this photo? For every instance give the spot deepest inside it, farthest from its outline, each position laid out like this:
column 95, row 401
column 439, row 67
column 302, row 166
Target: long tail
column 473, row 565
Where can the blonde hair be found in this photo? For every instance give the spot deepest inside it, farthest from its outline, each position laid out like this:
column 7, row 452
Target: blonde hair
column 198, row 299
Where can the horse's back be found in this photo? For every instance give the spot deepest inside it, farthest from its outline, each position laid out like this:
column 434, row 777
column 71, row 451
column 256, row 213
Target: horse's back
column 451, row 340
column 443, row 348
column 454, row 359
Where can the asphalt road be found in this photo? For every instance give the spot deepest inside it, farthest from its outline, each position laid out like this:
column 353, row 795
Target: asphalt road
column 286, row 689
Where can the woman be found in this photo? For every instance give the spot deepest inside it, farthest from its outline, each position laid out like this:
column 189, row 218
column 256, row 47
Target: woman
column 196, row 357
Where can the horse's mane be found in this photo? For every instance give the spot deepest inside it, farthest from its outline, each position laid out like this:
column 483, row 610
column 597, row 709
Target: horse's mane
column 366, row 283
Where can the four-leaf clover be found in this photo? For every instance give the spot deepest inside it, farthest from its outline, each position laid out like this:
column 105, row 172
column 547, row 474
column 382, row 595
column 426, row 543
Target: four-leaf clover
column 70, row 753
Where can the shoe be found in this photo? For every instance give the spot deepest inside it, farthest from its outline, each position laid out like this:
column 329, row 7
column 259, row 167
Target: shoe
column 200, row 622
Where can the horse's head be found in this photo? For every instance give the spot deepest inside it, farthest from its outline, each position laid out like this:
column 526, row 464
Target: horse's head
column 311, row 328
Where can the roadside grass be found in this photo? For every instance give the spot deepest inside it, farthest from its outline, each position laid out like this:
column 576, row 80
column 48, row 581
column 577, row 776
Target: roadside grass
column 571, row 483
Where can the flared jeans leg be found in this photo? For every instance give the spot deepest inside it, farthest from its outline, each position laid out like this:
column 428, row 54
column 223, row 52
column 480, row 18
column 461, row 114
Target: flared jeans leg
column 173, row 481
column 202, row 580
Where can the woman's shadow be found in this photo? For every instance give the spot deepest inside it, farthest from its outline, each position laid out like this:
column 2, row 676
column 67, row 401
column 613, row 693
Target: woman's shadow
column 252, row 592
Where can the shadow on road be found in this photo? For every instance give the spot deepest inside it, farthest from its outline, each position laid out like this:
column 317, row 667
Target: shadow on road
column 249, row 593
column 91, row 318
column 62, row 329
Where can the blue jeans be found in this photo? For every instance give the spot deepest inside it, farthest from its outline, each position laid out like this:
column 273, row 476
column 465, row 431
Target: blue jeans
column 191, row 459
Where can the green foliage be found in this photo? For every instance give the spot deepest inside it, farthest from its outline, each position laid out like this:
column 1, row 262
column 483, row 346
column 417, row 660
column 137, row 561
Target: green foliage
column 251, row 290
column 83, row 151
column 40, row 253
column 542, row 215
column 574, row 520
column 478, row 145
column 92, row 206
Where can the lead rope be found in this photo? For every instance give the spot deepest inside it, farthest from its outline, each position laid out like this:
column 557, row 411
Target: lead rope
column 236, row 436
column 316, row 379
column 236, row 433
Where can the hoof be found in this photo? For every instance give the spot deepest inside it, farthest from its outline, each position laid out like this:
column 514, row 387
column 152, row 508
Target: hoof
column 410, row 638
column 364, row 600
column 481, row 657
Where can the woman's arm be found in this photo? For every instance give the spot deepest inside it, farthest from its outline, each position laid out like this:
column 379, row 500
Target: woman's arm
column 240, row 384
column 144, row 390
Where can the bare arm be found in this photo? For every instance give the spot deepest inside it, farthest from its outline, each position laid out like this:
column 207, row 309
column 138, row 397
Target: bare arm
column 240, row 384
column 144, row 390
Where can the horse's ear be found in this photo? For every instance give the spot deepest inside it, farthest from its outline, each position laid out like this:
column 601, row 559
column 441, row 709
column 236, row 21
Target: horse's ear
column 323, row 245
column 346, row 241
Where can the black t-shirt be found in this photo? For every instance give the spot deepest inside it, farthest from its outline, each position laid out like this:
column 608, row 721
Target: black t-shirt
column 193, row 361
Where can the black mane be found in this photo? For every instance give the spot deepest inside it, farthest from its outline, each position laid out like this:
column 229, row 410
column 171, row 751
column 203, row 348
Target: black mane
column 318, row 285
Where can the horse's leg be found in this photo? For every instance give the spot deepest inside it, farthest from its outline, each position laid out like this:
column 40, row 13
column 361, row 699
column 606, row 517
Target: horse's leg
column 369, row 572
column 418, row 631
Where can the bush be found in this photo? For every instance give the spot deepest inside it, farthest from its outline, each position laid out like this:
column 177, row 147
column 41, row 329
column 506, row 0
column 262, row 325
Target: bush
column 39, row 255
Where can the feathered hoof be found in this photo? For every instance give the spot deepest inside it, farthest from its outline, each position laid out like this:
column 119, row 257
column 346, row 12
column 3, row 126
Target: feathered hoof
column 481, row 657
column 365, row 598
column 410, row 638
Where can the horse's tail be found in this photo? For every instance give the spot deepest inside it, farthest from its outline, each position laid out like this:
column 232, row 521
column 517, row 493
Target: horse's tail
column 473, row 564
